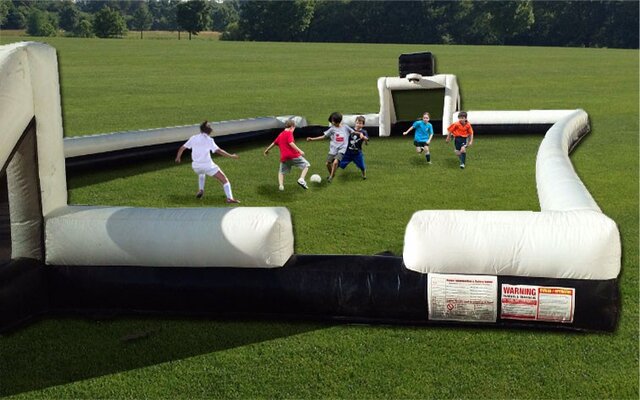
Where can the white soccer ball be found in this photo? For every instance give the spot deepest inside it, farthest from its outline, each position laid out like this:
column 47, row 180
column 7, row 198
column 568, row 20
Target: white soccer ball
column 315, row 178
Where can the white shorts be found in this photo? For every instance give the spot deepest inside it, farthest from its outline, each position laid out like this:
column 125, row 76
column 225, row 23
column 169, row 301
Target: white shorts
column 210, row 170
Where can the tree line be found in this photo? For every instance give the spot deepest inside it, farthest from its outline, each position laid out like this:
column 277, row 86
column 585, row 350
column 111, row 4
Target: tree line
column 524, row 23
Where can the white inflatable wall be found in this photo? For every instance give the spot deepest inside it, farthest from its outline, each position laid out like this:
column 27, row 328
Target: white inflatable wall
column 106, row 142
column 568, row 238
column 259, row 237
column 386, row 85
column 173, row 237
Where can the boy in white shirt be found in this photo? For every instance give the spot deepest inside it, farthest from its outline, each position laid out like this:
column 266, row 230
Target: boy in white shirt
column 202, row 145
column 339, row 135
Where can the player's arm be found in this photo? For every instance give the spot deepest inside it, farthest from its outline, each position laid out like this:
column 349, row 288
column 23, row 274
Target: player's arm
column 266, row 151
column 430, row 133
column 407, row 131
column 311, row 139
column 225, row 154
column 179, row 155
column 296, row 148
column 450, row 132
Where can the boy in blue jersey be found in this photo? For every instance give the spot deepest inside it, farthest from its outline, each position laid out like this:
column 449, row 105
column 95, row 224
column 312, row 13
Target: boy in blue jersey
column 423, row 135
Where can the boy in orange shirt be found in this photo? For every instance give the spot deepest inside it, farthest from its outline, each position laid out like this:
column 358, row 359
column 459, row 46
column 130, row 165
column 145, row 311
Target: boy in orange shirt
column 463, row 136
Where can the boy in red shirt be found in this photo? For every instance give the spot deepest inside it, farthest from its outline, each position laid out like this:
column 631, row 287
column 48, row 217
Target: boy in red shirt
column 463, row 136
column 290, row 155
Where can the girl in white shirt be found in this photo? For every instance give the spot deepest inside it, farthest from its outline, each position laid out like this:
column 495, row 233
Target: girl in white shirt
column 202, row 145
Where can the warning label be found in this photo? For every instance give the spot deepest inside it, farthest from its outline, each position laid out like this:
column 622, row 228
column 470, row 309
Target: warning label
column 537, row 303
column 469, row 298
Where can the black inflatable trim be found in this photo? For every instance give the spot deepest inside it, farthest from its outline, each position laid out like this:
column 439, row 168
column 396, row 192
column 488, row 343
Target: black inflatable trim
column 23, row 293
column 353, row 289
column 419, row 63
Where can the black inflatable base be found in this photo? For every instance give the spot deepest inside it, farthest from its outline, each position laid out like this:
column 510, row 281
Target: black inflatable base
column 354, row 289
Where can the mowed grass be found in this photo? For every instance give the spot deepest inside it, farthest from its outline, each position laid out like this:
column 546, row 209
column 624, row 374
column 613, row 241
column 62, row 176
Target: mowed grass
column 113, row 85
column 349, row 215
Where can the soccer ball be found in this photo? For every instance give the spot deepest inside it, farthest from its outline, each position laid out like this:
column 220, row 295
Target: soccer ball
column 315, row 178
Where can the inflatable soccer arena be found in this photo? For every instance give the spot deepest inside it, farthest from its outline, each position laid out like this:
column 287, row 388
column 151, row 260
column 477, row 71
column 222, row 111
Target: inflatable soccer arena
column 553, row 268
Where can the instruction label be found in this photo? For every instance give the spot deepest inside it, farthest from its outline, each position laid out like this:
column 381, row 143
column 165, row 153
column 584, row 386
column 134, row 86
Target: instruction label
column 537, row 303
column 468, row 298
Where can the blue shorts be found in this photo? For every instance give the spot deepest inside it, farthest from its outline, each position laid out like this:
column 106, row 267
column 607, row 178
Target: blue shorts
column 459, row 141
column 357, row 159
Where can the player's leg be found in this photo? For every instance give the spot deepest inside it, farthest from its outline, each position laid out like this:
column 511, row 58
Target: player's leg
column 280, row 181
column 346, row 160
column 459, row 143
column 303, row 164
column 359, row 162
column 330, row 158
column 427, row 153
column 226, row 186
column 336, row 161
column 201, row 180
column 284, row 169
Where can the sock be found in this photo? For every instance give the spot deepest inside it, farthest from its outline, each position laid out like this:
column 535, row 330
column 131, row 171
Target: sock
column 227, row 190
column 201, row 181
column 463, row 158
column 428, row 157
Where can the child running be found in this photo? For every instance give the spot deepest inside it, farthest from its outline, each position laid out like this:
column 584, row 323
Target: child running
column 354, row 149
column 202, row 145
column 423, row 135
column 463, row 137
column 339, row 135
column 290, row 155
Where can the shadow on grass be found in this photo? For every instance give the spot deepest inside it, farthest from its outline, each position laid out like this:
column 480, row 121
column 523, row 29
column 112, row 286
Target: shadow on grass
column 291, row 192
column 418, row 160
column 210, row 199
column 88, row 176
column 61, row 351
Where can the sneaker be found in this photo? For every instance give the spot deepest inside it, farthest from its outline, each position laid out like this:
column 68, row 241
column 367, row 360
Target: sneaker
column 364, row 178
column 302, row 183
column 461, row 166
column 199, row 194
column 328, row 179
column 281, row 188
column 232, row 201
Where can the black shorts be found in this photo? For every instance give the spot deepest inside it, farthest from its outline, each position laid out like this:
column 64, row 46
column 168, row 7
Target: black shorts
column 459, row 141
column 419, row 144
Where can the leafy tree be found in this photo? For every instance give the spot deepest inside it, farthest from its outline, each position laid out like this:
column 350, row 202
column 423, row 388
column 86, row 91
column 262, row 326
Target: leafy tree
column 69, row 16
column 84, row 27
column 40, row 23
column 223, row 14
column 164, row 15
column 142, row 19
column 275, row 20
column 621, row 25
column 4, row 10
column 109, row 23
column 193, row 16
column 16, row 17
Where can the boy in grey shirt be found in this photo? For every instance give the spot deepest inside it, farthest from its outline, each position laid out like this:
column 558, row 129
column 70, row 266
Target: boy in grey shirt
column 339, row 135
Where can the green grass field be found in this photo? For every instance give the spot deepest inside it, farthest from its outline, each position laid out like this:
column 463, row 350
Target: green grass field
column 115, row 85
